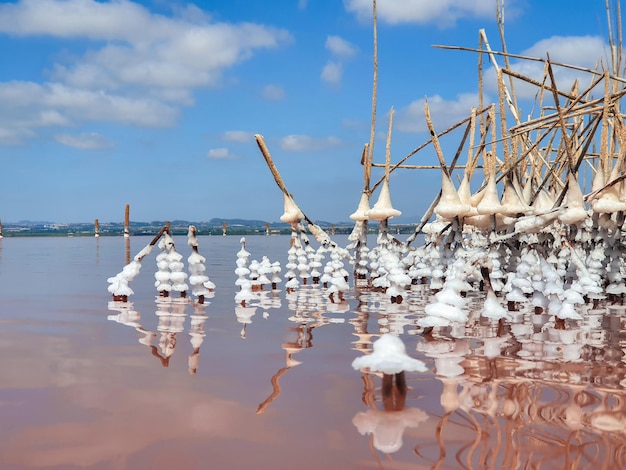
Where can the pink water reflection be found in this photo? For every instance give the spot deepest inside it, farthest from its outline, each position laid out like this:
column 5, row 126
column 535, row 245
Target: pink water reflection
column 87, row 384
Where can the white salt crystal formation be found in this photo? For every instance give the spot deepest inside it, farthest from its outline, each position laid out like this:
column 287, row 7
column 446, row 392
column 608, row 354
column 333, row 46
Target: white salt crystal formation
column 201, row 285
column 389, row 357
column 119, row 284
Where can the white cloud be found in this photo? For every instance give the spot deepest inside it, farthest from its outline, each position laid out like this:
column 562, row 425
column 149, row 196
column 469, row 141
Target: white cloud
column 304, row 143
column 141, row 67
column 340, row 47
column 332, row 73
column 444, row 113
column 219, row 153
column 87, row 141
column 242, row 137
column 441, row 12
column 273, row 93
column 14, row 136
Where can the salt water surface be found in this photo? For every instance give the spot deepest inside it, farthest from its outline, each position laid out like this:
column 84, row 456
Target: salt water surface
column 91, row 383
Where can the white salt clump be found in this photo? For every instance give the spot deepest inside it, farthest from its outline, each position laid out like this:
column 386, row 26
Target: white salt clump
column 119, row 284
column 362, row 210
column 450, row 205
column 575, row 211
column 242, row 270
column 201, row 286
column 162, row 276
column 493, row 309
column 383, row 209
column 245, row 294
column 449, row 302
column 389, row 357
column 490, row 203
column 292, row 213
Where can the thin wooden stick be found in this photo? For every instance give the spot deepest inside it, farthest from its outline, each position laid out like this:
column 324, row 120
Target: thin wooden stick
column 374, row 84
column 435, row 139
column 388, row 146
column 270, row 163
column 536, row 59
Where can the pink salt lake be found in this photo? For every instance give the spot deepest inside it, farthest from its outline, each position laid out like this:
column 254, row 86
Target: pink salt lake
column 88, row 383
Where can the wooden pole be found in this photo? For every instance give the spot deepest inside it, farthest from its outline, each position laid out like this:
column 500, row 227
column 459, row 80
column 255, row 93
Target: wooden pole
column 96, row 228
column 127, row 221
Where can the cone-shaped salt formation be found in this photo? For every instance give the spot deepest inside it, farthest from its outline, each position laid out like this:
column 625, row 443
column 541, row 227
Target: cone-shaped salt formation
column 292, row 213
column 389, row 357
column 575, row 211
column 363, row 209
column 383, row 209
column 450, row 205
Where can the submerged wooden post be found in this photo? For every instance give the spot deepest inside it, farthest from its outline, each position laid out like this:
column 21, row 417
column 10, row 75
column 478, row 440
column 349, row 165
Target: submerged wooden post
column 0, row 228
column 224, row 229
column 96, row 228
column 127, row 221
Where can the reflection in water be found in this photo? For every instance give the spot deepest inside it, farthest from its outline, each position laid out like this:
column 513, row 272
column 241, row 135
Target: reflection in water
column 171, row 314
column 127, row 249
column 303, row 340
column 526, row 393
column 387, row 426
column 539, row 397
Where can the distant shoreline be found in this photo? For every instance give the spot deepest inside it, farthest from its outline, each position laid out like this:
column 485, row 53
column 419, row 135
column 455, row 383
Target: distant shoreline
column 214, row 227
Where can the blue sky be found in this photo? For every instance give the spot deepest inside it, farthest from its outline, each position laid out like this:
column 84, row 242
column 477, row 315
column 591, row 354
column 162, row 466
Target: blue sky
column 156, row 103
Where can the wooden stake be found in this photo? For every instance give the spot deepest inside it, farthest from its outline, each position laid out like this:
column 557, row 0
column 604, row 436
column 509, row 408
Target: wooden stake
column 270, row 163
column 127, row 221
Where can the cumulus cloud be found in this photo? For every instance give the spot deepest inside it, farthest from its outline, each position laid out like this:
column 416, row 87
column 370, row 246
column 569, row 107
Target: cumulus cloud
column 87, row 141
column 304, row 143
column 273, row 93
column 444, row 113
column 332, row 73
column 137, row 67
column 241, row 137
column 341, row 50
column 442, row 12
column 340, row 47
column 220, row 153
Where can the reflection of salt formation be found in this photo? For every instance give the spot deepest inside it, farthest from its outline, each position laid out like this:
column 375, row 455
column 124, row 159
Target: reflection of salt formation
column 197, row 334
column 244, row 316
column 303, row 340
column 201, row 285
column 171, row 316
column 171, row 319
column 387, row 427
column 448, row 355
column 394, row 317
column 244, row 311
column 127, row 314
column 309, row 304
column 129, row 317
